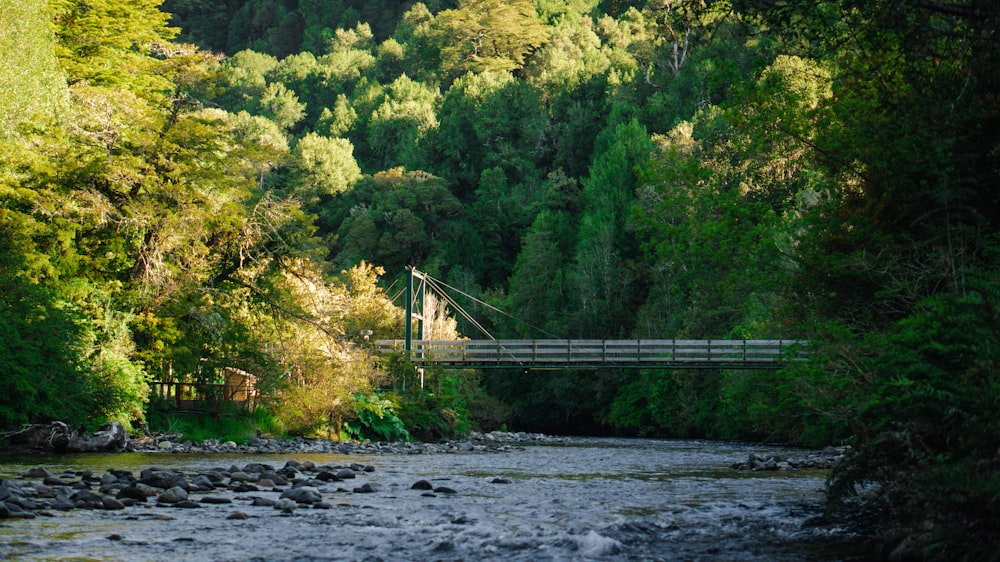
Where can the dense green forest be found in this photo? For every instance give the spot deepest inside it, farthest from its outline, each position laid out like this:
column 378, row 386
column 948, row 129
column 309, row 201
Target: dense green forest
column 189, row 186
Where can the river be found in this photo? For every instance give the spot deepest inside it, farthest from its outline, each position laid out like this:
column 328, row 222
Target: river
column 579, row 499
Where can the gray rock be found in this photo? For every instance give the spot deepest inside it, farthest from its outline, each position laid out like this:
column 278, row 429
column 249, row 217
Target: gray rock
column 327, row 476
column 302, row 494
column 422, row 485
column 173, row 495
column 237, row 515
column 444, row 490
column 63, row 504
column 134, row 493
column 346, row 473
column 264, row 502
column 216, row 500
column 187, row 504
column 111, row 503
column 365, row 488
column 285, row 504
column 203, row 482
column 37, row 472
column 240, row 476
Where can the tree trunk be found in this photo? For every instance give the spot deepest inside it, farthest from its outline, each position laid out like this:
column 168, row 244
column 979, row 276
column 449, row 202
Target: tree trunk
column 57, row 437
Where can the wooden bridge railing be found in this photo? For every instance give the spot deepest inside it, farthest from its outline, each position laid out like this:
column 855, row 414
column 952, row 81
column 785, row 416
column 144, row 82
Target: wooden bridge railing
column 592, row 354
column 198, row 397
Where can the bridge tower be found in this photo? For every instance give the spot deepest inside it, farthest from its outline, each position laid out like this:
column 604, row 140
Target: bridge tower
column 411, row 296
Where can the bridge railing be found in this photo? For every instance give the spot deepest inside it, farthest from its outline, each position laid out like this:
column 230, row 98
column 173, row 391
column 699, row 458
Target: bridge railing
column 596, row 353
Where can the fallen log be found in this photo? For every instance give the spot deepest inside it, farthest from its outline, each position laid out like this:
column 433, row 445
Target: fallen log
column 58, row 437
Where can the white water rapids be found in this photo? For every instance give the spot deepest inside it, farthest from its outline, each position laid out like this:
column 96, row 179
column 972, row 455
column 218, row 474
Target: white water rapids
column 583, row 499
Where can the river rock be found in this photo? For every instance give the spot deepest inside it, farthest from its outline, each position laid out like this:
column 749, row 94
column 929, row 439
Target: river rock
column 444, row 490
column 422, row 485
column 134, row 493
column 257, row 468
column 237, row 515
column 187, row 504
column 265, row 502
column 162, row 479
column 240, row 476
column 327, row 476
column 302, row 494
column 286, row 505
column 216, row 500
column 63, row 503
column 173, row 495
column 37, row 472
column 111, row 503
column 346, row 473
column 203, row 482
column 365, row 488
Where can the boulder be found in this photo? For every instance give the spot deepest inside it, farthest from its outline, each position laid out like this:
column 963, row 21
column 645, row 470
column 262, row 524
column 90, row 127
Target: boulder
column 173, row 495
column 303, row 494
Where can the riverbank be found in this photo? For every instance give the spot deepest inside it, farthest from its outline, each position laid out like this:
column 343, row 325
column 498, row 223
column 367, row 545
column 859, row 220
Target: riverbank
column 495, row 441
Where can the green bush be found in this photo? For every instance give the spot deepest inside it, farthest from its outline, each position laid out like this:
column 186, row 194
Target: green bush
column 376, row 420
column 928, row 423
column 228, row 423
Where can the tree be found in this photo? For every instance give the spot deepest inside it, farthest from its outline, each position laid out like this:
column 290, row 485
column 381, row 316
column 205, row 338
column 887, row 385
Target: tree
column 604, row 275
column 482, row 35
column 398, row 218
column 401, row 122
column 30, row 83
column 323, row 167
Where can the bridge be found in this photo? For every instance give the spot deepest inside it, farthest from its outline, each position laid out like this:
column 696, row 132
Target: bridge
column 597, row 354
column 571, row 353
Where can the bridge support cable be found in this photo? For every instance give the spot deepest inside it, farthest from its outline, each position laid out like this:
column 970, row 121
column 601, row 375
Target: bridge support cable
column 438, row 287
column 559, row 353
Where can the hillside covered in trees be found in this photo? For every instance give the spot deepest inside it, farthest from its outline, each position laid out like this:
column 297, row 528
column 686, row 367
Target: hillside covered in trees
column 188, row 186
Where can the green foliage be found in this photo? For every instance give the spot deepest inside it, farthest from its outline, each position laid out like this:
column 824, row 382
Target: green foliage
column 30, row 86
column 396, row 218
column 229, row 423
column 436, row 410
column 376, row 419
column 323, row 167
column 486, row 35
column 929, row 406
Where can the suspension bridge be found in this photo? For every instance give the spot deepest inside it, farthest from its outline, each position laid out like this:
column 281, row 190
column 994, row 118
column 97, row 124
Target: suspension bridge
column 572, row 353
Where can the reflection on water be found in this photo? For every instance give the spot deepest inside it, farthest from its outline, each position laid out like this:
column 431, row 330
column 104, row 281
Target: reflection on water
column 606, row 499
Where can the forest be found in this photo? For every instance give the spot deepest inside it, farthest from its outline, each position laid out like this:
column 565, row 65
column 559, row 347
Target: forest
column 191, row 186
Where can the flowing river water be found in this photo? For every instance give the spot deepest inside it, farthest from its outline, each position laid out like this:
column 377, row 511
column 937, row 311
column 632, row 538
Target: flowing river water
column 578, row 499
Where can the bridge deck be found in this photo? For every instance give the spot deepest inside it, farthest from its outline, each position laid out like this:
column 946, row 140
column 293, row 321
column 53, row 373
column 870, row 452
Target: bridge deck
column 596, row 354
